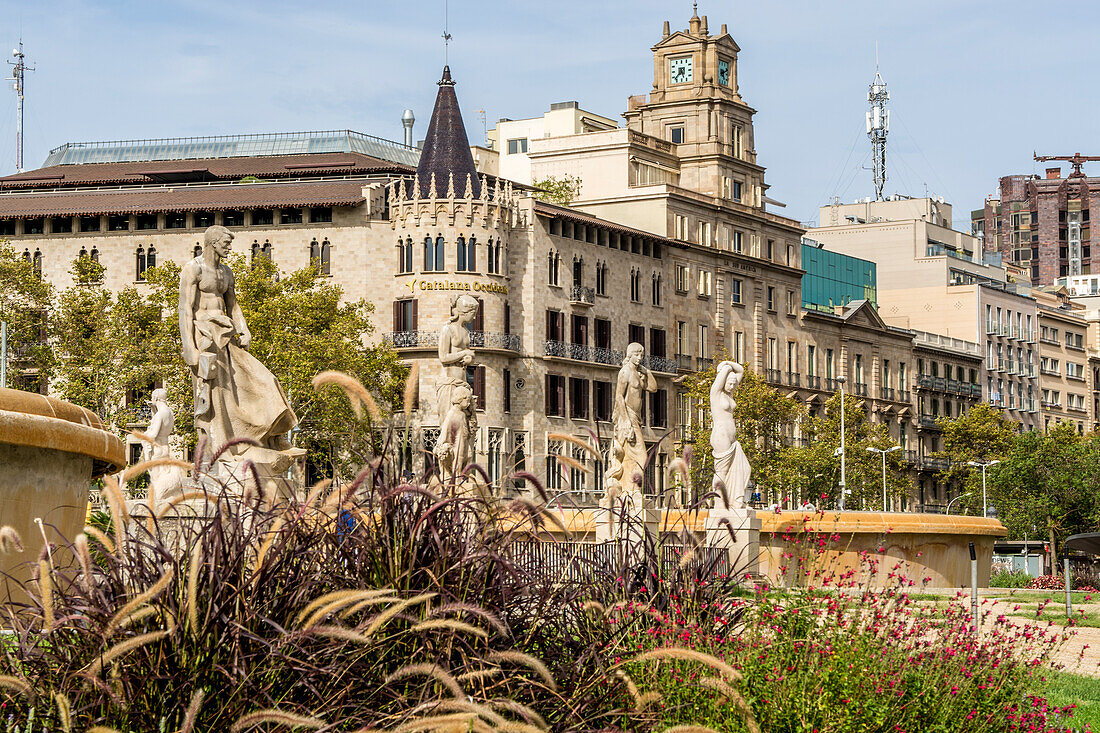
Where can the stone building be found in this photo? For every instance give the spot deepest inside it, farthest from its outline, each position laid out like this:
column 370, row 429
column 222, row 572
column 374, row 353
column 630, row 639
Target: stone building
column 669, row 244
column 1064, row 372
column 1042, row 224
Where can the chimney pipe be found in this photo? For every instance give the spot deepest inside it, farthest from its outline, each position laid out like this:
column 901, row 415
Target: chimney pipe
column 407, row 120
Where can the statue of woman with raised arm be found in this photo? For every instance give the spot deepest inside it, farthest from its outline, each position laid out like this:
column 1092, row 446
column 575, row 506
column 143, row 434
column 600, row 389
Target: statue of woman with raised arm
column 235, row 395
column 628, row 451
column 731, row 468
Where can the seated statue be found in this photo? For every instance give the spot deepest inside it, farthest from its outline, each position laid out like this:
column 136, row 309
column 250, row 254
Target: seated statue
column 235, row 395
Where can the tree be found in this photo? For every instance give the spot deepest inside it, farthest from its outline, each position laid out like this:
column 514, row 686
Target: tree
column 817, row 467
column 558, row 190
column 763, row 416
column 87, row 354
column 299, row 328
column 1048, row 484
column 25, row 301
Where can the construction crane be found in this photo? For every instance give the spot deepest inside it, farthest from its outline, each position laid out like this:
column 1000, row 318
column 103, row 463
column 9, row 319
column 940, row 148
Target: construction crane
column 1076, row 160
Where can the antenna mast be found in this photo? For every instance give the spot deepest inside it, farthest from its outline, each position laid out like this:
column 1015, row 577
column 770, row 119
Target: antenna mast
column 878, row 125
column 19, row 69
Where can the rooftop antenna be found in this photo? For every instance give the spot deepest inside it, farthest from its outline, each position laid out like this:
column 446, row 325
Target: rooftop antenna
column 19, row 69
column 878, row 125
column 446, row 36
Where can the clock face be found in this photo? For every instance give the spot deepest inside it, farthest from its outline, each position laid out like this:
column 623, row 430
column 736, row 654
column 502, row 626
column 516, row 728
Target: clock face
column 681, row 70
column 723, row 72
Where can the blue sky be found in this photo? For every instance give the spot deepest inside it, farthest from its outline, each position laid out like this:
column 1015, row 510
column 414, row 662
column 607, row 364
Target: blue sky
column 976, row 85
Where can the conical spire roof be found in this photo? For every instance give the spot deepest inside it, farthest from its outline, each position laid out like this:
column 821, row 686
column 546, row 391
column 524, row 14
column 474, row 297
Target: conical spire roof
column 446, row 148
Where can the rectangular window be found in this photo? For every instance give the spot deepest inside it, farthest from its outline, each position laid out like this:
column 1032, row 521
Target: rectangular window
column 119, row 223
column 681, row 222
column 737, row 136
column 771, row 298
column 773, row 354
column 790, row 303
column 555, row 326
column 635, row 334
column 320, row 214
column 507, row 391
column 682, row 338
column 233, row 218
column 658, row 408
column 657, row 342
column 146, row 221
column 62, row 225
column 579, row 329
column 737, row 190
column 682, row 278
column 578, row 398
column 178, row 220
column 286, row 216
column 204, row 219
column 811, row 360
column 479, row 387
column 704, row 233
column 705, row 283
column 517, row 145
column 34, row 226
column 676, row 134
column 603, row 333
column 405, row 317
column 735, row 292
column 555, row 395
column 738, row 242
column 89, row 224
column 830, row 364
column 603, row 401
column 739, row 347
column 704, row 342
column 262, row 217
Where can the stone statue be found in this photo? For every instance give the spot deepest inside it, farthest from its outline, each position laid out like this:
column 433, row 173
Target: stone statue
column 455, row 446
column 455, row 353
column 628, row 451
column 731, row 468
column 235, row 395
column 164, row 481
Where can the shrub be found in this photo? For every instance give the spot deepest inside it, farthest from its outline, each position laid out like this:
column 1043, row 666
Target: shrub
column 1010, row 579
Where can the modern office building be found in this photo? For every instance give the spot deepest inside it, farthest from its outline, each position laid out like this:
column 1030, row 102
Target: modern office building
column 835, row 279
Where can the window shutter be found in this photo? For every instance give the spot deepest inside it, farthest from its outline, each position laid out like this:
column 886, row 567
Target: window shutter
column 479, row 387
column 561, row 395
column 507, row 318
column 549, row 408
column 507, row 390
column 396, row 316
column 549, row 327
column 479, row 317
column 415, row 317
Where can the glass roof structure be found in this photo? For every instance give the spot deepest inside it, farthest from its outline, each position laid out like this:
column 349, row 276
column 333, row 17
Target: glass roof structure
column 233, row 146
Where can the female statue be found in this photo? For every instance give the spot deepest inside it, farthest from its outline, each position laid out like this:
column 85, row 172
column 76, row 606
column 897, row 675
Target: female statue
column 628, row 451
column 731, row 468
column 455, row 353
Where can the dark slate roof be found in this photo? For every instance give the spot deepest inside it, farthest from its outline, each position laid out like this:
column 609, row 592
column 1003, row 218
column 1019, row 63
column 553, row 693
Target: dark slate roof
column 446, row 147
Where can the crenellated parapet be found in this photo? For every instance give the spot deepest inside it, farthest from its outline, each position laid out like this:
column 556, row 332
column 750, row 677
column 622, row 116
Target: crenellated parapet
column 480, row 205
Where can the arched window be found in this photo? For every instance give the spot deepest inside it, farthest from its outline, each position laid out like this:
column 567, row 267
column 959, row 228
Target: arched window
column 27, row 255
column 265, row 249
column 326, row 258
column 139, row 264
column 36, row 262
column 197, row 251
column 578, row 272
column 440, row 254
column 491, row 258
column 255, row 249
column 471, row 254
column 460, row 246
column 656, row 288
column 498, row 264
column 429, row 254
column 408, row 254
column 83, row 252
column 95, row 254
column 635, row 285
column 315, row 254
column 151, row 257
column 552, row 267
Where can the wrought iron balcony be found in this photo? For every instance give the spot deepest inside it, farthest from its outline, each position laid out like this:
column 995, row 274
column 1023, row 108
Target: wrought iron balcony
column 861, row 389
column 886, row 393
column 813, row 382
column 929, row 421
column 580, row 295
column 702, row 363
column 773, row 375
column 430, row 339
column 659, row 364
column 793, row 379
column 684, row 363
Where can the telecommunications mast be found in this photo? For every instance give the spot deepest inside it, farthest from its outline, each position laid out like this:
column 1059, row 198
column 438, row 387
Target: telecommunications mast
column 19, row 69
column 878, row 125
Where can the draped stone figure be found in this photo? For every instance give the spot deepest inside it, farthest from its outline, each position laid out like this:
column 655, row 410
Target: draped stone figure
column 455, row 403
column 628, row 451
column 164, row 481
column 235, row 395
column 731, row 468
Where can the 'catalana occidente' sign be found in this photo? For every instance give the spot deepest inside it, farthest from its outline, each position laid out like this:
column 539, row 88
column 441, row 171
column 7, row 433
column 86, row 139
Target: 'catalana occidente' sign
column 478, row 286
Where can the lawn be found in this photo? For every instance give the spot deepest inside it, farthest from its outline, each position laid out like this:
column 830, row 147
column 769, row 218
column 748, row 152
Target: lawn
column 1084, row 692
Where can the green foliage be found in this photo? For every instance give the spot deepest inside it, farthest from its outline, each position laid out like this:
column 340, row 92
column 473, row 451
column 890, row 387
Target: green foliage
column 1047, row 484
column 1083, row 692
column 1010, row 579
column 818, row 466
column 86, row 271
column 24, row 301
column 559, row 190
column 299, row 328
column 984, row 433
column 763, row 417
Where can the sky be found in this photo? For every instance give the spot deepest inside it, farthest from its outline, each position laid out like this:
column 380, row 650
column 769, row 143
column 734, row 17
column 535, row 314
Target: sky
column 976, row 85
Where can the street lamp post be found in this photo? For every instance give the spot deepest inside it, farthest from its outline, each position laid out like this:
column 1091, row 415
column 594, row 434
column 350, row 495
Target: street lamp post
column 883, row 453
column 843, row 483
column 954, row 500
column 984, row 465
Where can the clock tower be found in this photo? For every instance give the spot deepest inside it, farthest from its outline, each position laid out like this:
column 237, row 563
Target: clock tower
column 696, row 105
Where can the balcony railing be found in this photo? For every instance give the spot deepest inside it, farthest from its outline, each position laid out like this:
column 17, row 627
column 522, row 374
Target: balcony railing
column 580, row 295
column 1049, row 372
column 935, row 464
column 793, row 379
column 773, row 375
column 831, row 385
column 928, row 421
column 684, row 363
column 886, row 393
column 813, row 382
column 656, row 364
column 910, row 456
column 904, row 395
column 600, row 355
column 430, row 339
column 861, row 389
column 702, row 363
column 1048, row 340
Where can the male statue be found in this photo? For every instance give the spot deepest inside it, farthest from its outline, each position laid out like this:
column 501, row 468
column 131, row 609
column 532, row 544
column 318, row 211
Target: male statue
column 731, row 468
column 235, row 395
